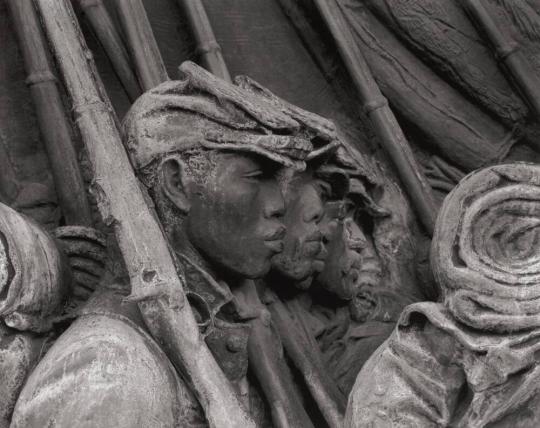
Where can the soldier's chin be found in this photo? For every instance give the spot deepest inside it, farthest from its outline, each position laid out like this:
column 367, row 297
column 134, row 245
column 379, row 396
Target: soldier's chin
column 343, row 285
column 318, row 266
column 304, row 284
column 342, row 289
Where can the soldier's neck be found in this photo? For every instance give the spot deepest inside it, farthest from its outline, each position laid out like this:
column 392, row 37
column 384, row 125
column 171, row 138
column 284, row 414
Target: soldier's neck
column 182, row 245
column 286, row 288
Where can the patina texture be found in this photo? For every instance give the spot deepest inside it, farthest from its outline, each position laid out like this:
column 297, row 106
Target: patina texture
column 209, row 154
column 40, row 281
column 255, row 256
column 470, row 359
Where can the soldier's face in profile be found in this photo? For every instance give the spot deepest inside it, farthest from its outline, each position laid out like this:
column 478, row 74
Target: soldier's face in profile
column 352, row 261
column 234, row 220
column 304, row 253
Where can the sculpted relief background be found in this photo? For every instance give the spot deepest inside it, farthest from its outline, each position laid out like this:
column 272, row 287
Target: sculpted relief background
column 268, row 213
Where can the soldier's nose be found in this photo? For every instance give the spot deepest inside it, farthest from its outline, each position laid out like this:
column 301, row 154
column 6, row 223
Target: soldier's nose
column 274, row 202
column 314, row 212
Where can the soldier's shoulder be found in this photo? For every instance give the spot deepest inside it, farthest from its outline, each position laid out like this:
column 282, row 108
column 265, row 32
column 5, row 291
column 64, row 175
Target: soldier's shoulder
column 105, row 371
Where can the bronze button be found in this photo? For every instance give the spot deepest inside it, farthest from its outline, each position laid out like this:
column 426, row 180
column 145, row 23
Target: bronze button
column 235, row 344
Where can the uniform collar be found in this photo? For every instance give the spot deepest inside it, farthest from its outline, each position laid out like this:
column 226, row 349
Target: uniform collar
column 203, row 287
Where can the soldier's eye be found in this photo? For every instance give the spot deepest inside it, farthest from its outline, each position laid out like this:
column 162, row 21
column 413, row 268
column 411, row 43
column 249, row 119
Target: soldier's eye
column 255, row 174
column 350, row 208
column 325, row 190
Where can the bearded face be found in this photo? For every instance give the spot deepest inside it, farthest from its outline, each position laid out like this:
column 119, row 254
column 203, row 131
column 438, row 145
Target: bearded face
column 303, row 254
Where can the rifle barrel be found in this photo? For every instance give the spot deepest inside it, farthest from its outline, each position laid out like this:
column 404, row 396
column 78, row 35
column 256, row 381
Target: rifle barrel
column 382, row 118
column 101, row 22
column 207, row 45
column 268, row 364
column 9, row 185
column 322, row 389
column 155, row 283
column 508, row 52
column 141, row 43
column 52, row 120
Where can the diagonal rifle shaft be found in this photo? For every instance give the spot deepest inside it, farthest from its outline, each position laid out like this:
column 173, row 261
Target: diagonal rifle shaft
column 381, row 116
column 207, row 45
column 53, row 122
column 508, row 53
column 100, row 21
column 141, row 43
column 321, row 386
column 154, row 279
column 266, row 361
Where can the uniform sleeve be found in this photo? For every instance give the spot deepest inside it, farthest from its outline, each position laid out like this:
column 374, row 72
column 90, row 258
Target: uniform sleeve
column 412, row 380
column 102, row 373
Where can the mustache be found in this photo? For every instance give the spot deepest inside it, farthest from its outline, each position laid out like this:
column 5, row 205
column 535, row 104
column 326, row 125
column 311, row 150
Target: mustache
column 315, row 236
column 363, row 265
column 313, row 246
column 370, row 264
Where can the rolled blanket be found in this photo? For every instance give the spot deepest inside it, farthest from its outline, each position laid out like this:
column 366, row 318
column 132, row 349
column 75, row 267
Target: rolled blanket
column 32, row 273
column 486, row 249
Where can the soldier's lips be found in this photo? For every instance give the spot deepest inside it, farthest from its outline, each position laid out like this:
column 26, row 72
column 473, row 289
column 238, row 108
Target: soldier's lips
column 276, row 235
column 318, row 266
column 274, row 241
column 276, row 245
column 312, row 247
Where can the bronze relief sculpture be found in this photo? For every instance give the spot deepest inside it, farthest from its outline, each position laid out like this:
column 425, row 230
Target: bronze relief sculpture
column 252, row 263
column 43, row 279
column 211, row 169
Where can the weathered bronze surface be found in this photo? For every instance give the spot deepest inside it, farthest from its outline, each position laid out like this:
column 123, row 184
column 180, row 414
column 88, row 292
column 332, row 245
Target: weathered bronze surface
column 206, row 253
column 212, row 176
column 471, row 359
column 42, row 281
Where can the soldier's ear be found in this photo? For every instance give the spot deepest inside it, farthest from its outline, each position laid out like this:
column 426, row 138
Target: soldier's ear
column 174, row 183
